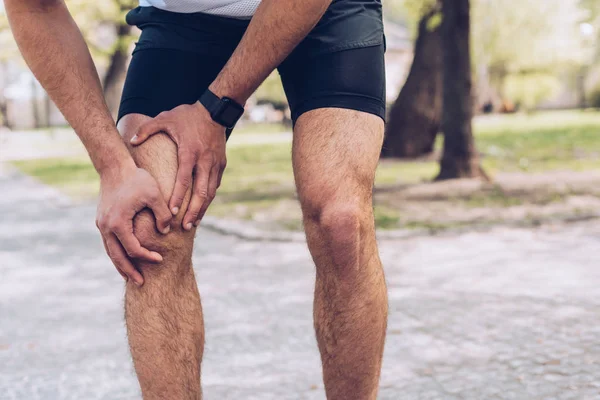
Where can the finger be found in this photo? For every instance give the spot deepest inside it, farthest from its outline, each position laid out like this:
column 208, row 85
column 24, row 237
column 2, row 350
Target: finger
column 182, row 181
column 199, row 196
column 119, row 258
column 117, row 268
column 213, row 184
column 132, row 246
column 163, row 216
column 148, row 129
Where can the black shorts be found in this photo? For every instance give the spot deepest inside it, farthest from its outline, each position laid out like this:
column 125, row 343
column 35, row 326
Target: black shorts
column 339, row 64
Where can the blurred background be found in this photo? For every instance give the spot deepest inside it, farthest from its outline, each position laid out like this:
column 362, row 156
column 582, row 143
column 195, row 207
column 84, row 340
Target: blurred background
column 486, row 204
column 535, row 78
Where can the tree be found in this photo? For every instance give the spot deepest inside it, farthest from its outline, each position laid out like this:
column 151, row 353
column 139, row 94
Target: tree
column 4, row 121
column 108, row 36
column 525, row 40
column 117, row 67
column 95, row 18
column 414, row 119
column 8, row 51
column 460, row 158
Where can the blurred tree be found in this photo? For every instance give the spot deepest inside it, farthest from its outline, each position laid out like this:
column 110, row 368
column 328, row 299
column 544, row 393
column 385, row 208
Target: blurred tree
column 528, row 90
column 526, row 38
column 8, row 51
column 271, row 90
column 103, row 26
column 522, row 41
column 109, row 38
column 414, row 119
column 460, row 158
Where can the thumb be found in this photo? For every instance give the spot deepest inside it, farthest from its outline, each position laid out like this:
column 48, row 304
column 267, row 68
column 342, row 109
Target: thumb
column 146, row 130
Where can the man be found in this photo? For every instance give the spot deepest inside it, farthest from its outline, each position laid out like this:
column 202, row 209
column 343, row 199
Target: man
column 194, row 67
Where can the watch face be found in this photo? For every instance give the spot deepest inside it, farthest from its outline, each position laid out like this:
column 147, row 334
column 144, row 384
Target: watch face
column 228, row 112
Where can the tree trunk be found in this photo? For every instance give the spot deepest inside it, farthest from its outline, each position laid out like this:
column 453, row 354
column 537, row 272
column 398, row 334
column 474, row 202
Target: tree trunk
column 4, row 113
column 48, row 109
column 117, row 69
column 38, row 119
column 414, row 120
column 460, row 158
column 3, row 101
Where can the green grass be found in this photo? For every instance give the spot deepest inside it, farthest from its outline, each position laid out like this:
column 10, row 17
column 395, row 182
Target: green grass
column 259, row 177
column 245, row 127
column 74, row 176
column 540, row 142
column 386, row 217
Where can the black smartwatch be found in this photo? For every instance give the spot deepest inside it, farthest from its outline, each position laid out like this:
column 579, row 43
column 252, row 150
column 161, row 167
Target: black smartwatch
column 224, row 111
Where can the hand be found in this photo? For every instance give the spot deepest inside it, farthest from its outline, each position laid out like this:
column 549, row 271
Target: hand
column 122, row 196
column 201, row 153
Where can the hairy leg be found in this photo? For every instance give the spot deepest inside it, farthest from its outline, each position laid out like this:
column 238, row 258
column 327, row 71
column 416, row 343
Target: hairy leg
column 164, row 316
column 335, row 154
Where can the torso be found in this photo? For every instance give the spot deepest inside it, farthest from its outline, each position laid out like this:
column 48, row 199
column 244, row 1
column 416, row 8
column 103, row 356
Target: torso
column 227, row 8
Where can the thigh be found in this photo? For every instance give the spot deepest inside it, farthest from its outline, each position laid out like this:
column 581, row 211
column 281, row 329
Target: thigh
column 335, row 154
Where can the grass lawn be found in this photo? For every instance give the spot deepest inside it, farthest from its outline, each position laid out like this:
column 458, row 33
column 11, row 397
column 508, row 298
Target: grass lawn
column 258, row 182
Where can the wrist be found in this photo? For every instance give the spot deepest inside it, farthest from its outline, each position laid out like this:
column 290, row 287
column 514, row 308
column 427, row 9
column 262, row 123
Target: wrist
column 116, row 168
column 222, row 110
column 204, row 115
column 222, row 90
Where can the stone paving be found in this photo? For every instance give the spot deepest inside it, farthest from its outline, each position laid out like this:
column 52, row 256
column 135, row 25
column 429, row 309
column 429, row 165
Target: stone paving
column 503, row 314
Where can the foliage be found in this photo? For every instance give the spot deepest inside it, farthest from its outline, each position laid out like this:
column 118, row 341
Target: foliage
column 98, row 20
column 594, row 97
column 8, row 47
column 532, row 35
column 410, row 11
column 530, row 89
column 592, row 17
column 271, row 90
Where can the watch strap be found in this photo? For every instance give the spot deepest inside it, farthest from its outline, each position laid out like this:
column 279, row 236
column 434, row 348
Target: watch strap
column 210, row 101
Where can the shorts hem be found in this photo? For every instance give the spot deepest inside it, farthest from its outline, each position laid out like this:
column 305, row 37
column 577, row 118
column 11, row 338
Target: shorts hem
column 350, row 102
column 345, row 46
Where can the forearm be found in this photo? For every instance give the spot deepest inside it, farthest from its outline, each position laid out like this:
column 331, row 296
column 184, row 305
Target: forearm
column 54, row 49
column 276, row 28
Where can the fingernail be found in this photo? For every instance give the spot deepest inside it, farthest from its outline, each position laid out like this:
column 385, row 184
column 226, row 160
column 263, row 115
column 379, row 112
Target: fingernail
column 166, row 230
column 137, row 283
column 197, row 223
column 134, row 139
column 188, row 226
column 175, row 210
column 158, row 257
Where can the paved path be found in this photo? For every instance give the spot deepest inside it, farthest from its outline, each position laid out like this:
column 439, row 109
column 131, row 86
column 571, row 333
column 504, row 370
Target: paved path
column 507, row 314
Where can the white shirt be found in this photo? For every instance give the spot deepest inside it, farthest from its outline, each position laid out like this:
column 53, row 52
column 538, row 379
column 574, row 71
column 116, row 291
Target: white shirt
column 226, row 8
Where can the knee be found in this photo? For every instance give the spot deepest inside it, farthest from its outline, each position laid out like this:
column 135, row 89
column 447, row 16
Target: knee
column 337, row 228
column 173, row 247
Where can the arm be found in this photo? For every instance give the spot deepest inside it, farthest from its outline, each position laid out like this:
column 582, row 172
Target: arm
column 276, row 28
column 54, row 49
column 56, row 53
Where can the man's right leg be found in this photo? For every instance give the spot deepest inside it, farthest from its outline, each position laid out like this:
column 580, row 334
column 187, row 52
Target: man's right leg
column 164, row 316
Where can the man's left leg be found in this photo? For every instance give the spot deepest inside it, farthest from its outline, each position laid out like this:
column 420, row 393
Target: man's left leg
column 335, row 154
